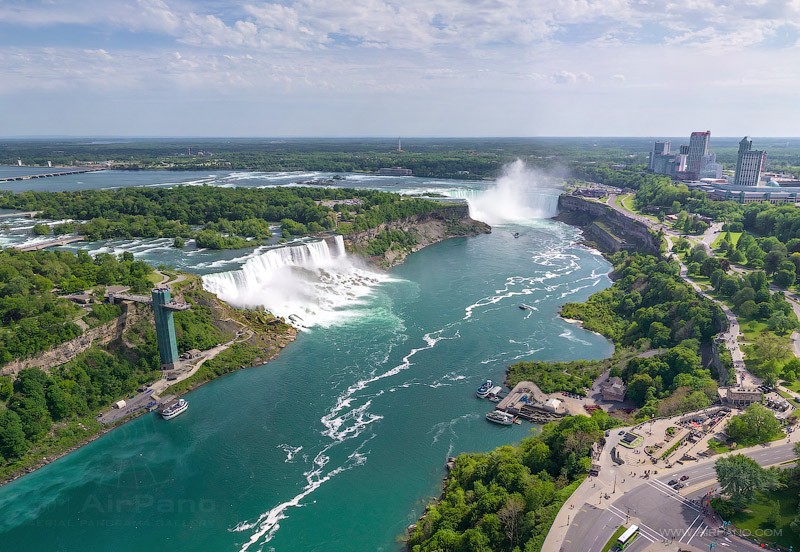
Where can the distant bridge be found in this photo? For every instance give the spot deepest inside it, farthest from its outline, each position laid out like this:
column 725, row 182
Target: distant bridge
column 49, row 175
column 50, row 243
column 19, row 214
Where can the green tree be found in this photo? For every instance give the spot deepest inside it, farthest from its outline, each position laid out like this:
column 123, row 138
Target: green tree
column 41, row 229
column 740, row 477
column 13, row 443
column 757, row 424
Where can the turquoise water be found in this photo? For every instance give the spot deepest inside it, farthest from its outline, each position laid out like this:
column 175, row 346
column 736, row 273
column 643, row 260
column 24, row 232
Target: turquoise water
column 353, row 422
column 339, row 443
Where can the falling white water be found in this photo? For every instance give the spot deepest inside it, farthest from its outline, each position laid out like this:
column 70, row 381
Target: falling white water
column 520, row 194
column 308, row 284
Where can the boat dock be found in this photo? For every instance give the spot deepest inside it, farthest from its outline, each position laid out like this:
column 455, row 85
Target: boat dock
column 529, row 403
column 79, row 170
column 49, row 243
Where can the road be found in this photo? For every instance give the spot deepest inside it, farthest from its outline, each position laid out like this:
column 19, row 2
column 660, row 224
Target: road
column 731, row 335
column 662, row 513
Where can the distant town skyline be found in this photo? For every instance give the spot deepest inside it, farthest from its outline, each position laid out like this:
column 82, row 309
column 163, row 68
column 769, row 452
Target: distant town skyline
column 386, row 68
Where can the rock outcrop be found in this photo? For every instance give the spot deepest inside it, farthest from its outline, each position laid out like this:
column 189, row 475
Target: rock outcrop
column 609, row 229
column 101, row 335
column 449, row 221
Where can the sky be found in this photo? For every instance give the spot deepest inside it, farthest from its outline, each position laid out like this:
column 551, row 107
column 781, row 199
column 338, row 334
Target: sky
column 399, row 67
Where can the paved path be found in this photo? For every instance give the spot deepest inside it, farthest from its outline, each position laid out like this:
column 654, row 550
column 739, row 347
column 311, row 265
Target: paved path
column 731, row 335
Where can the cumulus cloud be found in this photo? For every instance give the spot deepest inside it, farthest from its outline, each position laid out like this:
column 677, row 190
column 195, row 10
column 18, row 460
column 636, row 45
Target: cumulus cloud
column 417, row 50
column 567, row 77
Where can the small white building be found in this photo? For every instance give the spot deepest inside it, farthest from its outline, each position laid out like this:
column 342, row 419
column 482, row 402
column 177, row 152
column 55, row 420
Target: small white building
column 120, row 404
column 554, row 405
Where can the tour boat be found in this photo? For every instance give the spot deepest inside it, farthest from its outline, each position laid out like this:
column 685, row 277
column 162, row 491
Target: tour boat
column 498, row 417
column 483, row 390
column 174, row 409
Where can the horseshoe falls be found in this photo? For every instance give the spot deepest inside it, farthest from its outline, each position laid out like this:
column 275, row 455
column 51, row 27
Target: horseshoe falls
column 339, row 443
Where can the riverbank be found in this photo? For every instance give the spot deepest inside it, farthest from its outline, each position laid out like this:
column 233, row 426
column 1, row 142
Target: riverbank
column 264, row 335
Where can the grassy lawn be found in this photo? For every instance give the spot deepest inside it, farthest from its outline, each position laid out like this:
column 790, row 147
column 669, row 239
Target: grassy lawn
column 613, row 540
column 154, row 277
column 793, row 385
column 628, row 203
column 718, row 447
column 788, row 397
column 754, row 519
column 734, row 238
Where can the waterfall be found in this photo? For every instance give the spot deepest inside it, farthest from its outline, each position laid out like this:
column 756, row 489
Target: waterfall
column 309, row 284
column 518, row 195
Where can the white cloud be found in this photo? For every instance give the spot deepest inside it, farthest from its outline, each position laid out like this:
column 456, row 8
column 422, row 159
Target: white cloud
column 408, row 53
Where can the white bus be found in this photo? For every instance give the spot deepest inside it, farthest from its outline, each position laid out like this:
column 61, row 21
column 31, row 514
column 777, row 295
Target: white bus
column 627, row 537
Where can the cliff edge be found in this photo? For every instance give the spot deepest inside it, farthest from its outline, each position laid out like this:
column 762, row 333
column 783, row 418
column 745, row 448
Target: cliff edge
column 390, row 243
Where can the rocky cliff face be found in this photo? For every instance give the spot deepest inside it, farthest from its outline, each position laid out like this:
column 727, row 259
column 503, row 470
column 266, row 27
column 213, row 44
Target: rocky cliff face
column 101, row 335
column 609, row 229
column 450, row 221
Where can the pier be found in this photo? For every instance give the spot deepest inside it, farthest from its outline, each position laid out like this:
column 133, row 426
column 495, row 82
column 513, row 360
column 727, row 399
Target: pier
column 50, row 243
column 68, row 172
column 529, row 403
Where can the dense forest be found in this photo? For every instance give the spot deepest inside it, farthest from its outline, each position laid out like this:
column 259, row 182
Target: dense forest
column 648, row 301
column 33, row 318
column 507, row 499
column 216, row 217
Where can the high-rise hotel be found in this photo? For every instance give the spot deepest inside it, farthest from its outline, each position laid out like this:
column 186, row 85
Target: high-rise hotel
column 749, row 164
column 698, row 149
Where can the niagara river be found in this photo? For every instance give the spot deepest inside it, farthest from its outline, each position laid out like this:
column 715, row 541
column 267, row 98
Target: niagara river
column 339, row 443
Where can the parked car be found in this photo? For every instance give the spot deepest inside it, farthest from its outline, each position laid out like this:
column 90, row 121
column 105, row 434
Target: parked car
column 684, row 477
column 673, row 482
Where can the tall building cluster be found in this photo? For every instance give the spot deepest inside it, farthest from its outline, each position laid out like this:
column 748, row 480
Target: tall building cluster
column 692, row 161
column 695, row 160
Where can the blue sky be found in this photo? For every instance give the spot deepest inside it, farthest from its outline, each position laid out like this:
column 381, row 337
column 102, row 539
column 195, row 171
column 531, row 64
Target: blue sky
column 399, row 67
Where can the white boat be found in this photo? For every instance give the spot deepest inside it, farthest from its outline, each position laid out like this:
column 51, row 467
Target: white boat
column 483, row 390
column 174, row 409
column 498, row 417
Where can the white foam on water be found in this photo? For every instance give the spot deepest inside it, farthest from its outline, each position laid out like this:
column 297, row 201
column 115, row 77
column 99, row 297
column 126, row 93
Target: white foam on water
column 268, row 523
column 443, row 428
column 308, row 284
column 342, row 423
column 519, row 196
column 290, row 451
column 569, row 335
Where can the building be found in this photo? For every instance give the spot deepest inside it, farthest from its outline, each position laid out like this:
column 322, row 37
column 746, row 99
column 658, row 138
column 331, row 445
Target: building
column 741, row 396
column 698, row 148
column 554, row 405
column 394, row 171
column 749, row 164
column 659, row 148
column 709, row 168
column 613, row 389
column 165, row 328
